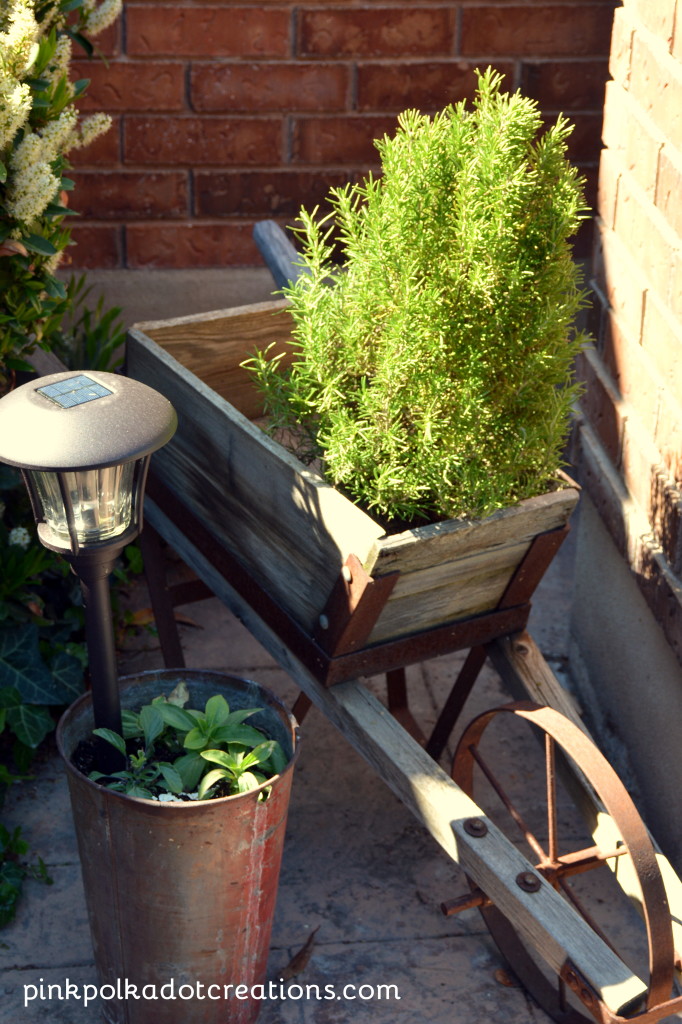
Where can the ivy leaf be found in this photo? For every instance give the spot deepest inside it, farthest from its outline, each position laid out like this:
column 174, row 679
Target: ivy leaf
column 22, row 667
column 67, row 672
column 30, row 724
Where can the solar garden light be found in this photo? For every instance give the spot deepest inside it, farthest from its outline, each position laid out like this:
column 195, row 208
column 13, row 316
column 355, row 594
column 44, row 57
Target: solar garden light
column 83, row 442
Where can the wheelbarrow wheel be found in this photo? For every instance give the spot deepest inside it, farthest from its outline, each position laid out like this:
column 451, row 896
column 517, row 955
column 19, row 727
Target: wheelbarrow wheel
column 628, row 842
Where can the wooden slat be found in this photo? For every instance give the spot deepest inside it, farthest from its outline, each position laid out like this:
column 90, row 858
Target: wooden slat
column 213, row 345
column 443, row 542
column 544, row 918
column 448, row 592
column 526, row 674
column 291, row 528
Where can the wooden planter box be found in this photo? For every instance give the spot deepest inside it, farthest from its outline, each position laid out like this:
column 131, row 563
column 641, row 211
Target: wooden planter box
column 345, row 595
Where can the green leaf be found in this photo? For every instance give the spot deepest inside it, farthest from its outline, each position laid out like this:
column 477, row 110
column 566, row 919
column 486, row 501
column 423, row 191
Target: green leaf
column 196, row 737
column 209, row 780
column 247, row 781
column 36, row 243
column 190, row 768
column 172, row 778
column 9, row 697
column 22, row 667
column 259, row 754
column 30, row 724
column 3, row 173
column 67, row 184
column 221, row 757
column 217, row 710
column 111, row 737
column 245, row 734
column 152, row 723
column 176, row 717
column 81, row 40
column 131, row 724
column 278, row 759
column 67, row 672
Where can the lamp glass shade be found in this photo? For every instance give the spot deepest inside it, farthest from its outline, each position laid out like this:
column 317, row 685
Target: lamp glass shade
column 101, row 500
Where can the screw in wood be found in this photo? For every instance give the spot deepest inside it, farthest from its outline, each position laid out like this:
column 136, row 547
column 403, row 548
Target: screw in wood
column 475, row 827
column 527, row 881
column 324, row 622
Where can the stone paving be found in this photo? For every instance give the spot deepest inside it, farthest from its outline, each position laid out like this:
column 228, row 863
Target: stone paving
column 358, row 869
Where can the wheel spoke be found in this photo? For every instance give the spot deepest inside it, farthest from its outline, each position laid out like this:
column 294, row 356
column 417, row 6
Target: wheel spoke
column 550, row 762
column 517, row 817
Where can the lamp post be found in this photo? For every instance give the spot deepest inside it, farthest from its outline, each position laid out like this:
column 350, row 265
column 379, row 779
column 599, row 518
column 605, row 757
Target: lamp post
column 83, row 441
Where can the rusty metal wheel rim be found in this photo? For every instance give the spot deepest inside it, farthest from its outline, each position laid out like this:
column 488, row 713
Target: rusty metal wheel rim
column 637, row 841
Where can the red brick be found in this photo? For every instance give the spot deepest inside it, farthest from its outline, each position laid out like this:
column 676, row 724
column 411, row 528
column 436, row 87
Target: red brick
column 546, row 31
column 266, row 87
column 129, row 195
column 669, row 188
column 429, row 87
column 382, row 32
column 642, row 229
column 565, row 85
column 584, row 142
column 662, row 343
column 656, row 83
column 610, row 170
column 191, row 245
column 160, row 31
column 261, row 194
column 658, row 16
column 107, row 44
column 632, row 136
column 619, row 277
column 95, row 246
column 339, row 140
column 641, row 472
column 200, row 142
column 632, row 371
column 668, row 436
column 600, row 403
column 104, row 151
column 132, row 85
column 620, row 59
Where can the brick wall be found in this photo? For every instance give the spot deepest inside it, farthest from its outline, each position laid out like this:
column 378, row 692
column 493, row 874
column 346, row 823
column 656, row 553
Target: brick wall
column 229, row 112
column 630, row 444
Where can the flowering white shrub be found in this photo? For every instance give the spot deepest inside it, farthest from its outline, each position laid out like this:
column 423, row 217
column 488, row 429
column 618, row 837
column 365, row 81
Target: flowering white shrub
column 39, row 125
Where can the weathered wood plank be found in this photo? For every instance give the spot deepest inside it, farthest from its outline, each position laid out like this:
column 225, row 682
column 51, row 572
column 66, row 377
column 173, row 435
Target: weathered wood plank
column 444, row 542
column 543, row 917
column 527, row 675
column 280, row 519
column 213, row 345
column 281, row 257
column 449, row 591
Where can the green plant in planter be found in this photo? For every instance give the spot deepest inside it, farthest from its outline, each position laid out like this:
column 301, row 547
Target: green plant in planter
column 432, row 371
column 179, row 744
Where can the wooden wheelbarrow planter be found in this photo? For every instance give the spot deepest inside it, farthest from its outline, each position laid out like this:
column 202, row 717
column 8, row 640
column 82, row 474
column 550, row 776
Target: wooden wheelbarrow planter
column 331, row 597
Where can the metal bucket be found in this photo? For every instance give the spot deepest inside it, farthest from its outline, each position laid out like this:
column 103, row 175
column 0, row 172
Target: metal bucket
column 181, row 895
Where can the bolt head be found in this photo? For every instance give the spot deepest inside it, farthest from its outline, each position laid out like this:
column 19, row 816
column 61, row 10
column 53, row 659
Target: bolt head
column 475, row 827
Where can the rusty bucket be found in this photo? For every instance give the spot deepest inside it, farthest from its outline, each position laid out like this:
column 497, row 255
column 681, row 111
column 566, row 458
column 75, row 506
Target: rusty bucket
column 181, row 895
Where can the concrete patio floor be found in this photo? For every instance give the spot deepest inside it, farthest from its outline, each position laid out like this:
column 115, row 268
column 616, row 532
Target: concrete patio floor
column 358, row 869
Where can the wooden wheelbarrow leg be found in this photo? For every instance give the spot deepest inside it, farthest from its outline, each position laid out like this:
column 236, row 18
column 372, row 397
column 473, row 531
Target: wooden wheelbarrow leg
column 547, row 922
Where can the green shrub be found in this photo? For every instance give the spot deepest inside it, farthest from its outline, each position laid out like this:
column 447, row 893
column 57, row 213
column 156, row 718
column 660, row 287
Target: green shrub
column 432, row 371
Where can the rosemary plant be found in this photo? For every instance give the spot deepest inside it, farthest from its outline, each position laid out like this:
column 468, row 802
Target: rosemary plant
column 432, row 373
